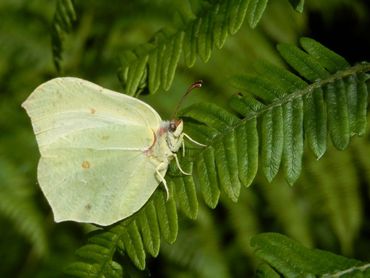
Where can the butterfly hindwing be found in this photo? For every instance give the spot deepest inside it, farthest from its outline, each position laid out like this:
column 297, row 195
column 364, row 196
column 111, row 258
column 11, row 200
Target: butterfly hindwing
column 100, row 187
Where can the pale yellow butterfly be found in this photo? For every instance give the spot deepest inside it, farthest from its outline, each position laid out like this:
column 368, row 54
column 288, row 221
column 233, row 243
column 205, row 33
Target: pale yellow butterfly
column 102, row 153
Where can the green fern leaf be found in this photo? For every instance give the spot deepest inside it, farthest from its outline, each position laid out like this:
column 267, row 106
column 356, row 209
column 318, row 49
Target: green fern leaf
column 238, row 12
column 95, row 258
column 293, row 139
column 247, row 151
column 272, row 142
column 205, row 39
column 306, row 65
column 221, row 25
column 281, row 78
column 135, row 73
column 298, row 5
column 315, row 121
column 212, row 115
column 133, row 245
column 255, row 11
column 81, row 269
column 190, row 43
column 63, row 21
column 244, row 104
column 166, row 215
column 207, row 176
column 357, row 95
column 170, row 64
column 225, row 151
column 261, row 88
column 338, row 118
column 95, row 252
column 149, row 229
column 185, row 195
column 264, row 270
column 327, row 58
column 154, row 69
column 291, row 259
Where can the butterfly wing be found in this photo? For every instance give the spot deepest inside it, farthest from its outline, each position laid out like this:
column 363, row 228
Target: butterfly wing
column 93, row 165
column 100, row 187
column 72, row 112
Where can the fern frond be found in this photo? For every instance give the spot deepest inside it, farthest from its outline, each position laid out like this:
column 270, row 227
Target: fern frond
column 335, row 190
column 64, row 18
column 290, row 259
column 285, row 109
column 96, row 257
column 16, row 204
column 265, row 128
column 199, row 35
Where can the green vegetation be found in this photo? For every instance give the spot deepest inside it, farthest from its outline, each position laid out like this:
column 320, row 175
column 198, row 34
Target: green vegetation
column 286, row 128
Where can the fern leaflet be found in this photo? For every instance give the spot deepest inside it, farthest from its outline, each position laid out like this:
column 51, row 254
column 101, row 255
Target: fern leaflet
column 290, row 259
column 63, row 21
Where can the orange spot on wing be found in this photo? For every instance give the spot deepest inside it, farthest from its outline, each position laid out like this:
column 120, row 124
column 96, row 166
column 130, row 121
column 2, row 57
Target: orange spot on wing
column 85, row 164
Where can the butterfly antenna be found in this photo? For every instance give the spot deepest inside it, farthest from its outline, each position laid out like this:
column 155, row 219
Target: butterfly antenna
column 195, row 85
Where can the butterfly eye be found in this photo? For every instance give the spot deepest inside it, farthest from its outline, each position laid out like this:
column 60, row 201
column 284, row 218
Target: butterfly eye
column 173, row 126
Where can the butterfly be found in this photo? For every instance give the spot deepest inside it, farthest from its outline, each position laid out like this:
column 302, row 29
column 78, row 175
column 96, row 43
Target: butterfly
column 103, row 153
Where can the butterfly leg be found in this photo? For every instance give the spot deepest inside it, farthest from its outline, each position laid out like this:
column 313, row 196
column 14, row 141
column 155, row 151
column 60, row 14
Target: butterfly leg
column 193, row 141
column 183, row 147
column 178, row 166
column 162, row 179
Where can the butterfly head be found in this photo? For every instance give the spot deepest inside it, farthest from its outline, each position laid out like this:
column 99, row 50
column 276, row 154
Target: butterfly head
column 174, row 134
column 176, row 127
